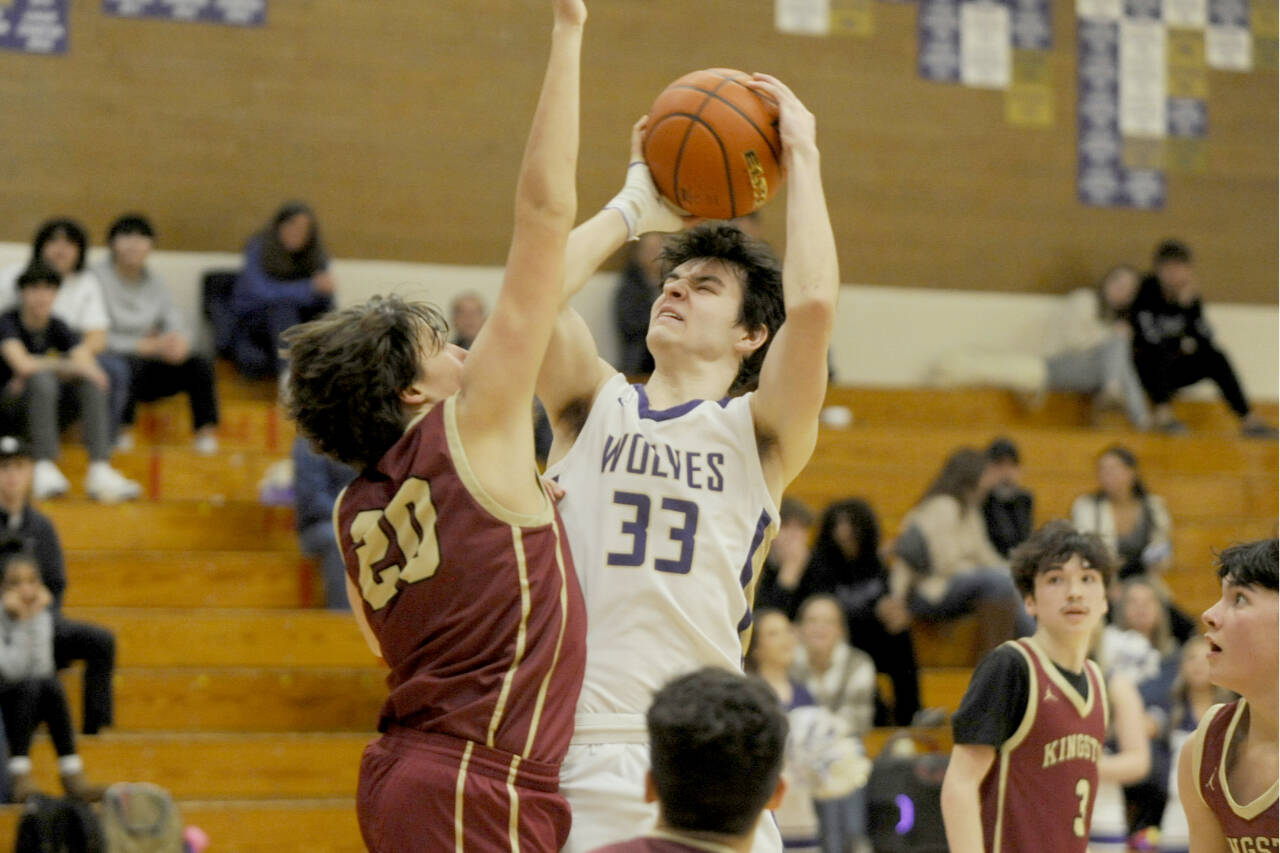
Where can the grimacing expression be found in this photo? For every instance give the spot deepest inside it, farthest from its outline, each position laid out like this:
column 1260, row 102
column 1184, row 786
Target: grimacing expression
column 698, row 308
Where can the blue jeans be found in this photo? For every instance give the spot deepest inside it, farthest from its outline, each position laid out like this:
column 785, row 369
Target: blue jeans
column 966, row 590
column 842, row 822
column 317, row 540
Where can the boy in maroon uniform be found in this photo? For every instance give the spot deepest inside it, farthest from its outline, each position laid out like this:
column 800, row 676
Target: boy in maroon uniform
column 716, row 743
column 1227, row 772
column 458, row 567
column 1029, row 732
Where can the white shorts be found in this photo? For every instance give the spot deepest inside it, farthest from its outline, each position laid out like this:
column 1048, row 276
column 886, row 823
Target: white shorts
column 604, row 784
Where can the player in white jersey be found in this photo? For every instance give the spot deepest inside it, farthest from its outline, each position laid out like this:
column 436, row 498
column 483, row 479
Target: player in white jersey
column 672, row 487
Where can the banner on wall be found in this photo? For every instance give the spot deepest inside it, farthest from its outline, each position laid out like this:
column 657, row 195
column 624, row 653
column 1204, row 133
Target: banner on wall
column 239, row 13
column 34, row 26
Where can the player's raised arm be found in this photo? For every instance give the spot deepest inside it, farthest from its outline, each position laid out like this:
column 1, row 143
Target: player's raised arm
column 793, row 379
column 499, row 374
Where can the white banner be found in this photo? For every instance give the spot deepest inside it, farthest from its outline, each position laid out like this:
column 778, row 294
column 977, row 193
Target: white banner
column 1100, row 10
column 802, row 17
column 1228, row 48
column 1143, row 95
column 986, row 49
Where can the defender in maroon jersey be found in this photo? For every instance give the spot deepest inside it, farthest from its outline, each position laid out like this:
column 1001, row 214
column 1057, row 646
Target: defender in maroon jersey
column 1028, row 735
column 1228, row 769
column 458, row 568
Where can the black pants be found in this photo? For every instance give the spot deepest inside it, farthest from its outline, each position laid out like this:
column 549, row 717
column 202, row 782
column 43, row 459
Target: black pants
column 1163, row 371
column 96, row 646
column 26, row 704
column 895, row 656
column 150, row 379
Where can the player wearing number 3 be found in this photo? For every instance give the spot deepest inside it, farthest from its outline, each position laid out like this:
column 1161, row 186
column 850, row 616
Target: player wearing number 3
column 458, row 568
column 1023, row 774
column 672, row 487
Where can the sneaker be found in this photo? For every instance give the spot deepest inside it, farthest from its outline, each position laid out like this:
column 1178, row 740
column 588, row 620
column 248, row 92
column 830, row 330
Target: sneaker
column 106, row 484
column 76, row 785
column 47, row 481
column 124, row 441
column 1258, row 429
column 206, row 444
column 1172, row 426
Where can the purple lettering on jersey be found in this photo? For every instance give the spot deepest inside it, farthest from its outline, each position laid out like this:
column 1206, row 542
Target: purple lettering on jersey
column 643, row 465
column 657, row 465
column 692, row 468
column 716, row 482
column 609, row 461
column 673, row 456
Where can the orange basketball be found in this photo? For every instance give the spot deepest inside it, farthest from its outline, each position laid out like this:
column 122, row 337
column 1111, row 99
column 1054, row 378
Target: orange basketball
column 712, row 144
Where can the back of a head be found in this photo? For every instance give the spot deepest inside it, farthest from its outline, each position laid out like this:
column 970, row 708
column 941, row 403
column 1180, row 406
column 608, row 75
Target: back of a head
column 1171, row 251
column 762, row 302
column 1251, row 564
column 346, row 372
column 716, row 748
column 1053, row 545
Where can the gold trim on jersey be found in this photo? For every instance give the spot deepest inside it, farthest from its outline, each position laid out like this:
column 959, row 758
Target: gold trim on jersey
column 1263, row 801
column 471, row 482
column 1015, row 740
column 696, row 843
column 1196, row 744
column 1082, row 705
column 749, row 593
column 522, row 636
column 513, row 813
column 460, row 796
column 555, row 658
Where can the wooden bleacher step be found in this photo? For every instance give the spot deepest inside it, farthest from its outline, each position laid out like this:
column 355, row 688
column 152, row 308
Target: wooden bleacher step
column 260, row 579
column 173, row 525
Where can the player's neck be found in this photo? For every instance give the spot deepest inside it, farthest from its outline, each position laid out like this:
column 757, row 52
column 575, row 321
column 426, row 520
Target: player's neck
column 1264, row 715
column 669, row 387
column 1068, row 652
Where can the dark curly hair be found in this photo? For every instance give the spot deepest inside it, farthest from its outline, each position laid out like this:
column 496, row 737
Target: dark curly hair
column 1251, row 564
column 762, row 303
column 716, row 741
column 1052, row 545
column 347, row 369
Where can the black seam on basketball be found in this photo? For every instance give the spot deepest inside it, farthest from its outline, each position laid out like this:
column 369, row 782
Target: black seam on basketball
column 777, row 155
column 724, row 156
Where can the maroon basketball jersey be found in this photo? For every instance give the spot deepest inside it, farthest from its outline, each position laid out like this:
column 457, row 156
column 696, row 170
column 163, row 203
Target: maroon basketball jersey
column 662, row 842
column 1039, row 792
column 477, row 608
column 1251, row 826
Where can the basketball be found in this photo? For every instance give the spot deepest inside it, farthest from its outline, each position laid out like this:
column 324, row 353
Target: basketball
column 712, row 144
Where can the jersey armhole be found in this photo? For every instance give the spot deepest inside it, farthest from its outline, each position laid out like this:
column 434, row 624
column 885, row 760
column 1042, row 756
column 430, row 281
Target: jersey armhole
column 593, row 415
column 1033, row 701
column 1196, row 742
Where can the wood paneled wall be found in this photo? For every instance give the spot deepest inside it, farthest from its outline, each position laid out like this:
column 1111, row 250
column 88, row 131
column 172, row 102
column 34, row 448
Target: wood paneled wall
column 402, row 121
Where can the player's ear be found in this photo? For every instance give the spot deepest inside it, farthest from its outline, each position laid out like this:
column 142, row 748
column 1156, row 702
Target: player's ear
column 778, row 793
column 1030, row 601
column 751, row 340
column 650, row 789
column 415, row 394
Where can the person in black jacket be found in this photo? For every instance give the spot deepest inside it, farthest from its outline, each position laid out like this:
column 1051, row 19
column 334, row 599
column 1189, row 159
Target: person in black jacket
column 1173, row 346
column 72, row 640
column 1008, row 507
column 846, row 563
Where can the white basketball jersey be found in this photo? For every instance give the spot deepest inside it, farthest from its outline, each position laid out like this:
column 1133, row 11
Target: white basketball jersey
column 669, row 520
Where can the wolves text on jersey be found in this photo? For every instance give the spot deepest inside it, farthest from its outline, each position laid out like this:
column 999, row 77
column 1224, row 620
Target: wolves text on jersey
column 637, row 455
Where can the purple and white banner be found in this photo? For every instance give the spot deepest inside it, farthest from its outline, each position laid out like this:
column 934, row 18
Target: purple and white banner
column 34, row 26
column 239, row 13
column 938, row 40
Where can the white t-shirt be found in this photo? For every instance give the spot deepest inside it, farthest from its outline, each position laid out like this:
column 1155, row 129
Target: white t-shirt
column 669, row 519
column 79, row 303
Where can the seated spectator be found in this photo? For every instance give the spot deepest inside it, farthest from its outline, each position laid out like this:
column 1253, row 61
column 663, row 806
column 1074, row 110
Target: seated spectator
column 1009, row 508
column 716, row 746
column 842, row 680
column 72, row 641
column 30, row 693
column 1088, row 350
column 1173, row 346
column 317, row 482
column 149, row 341
column 285, row 281
column 944, row 565
column 846, row 563
column 49, row 376
column 784, row 567
column 1134, row 524
column 638, row 286
column 770, row 657
column 467, row 314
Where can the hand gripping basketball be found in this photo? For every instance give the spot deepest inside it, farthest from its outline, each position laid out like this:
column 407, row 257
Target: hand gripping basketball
column 641, row 206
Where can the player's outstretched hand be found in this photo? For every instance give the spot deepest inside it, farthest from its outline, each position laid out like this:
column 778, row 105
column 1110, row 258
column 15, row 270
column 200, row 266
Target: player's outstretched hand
column 572, row 12
column 796, row 125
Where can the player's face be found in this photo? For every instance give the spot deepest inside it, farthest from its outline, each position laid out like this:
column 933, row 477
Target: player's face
column 1070, row 599
column 441, row 370
column 776, row 643
column 1241, row 633
column 15, row 481
column 697, row 311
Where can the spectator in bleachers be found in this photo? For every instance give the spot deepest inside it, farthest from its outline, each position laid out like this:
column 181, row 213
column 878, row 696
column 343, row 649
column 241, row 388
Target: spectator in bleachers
column 72, row 640
column 770, row 657
column 467, row 314
column 1009, row 507
column 50, row 377
column 317, row 482
column 639, row 284
column 30, row 693
column 285, row 281
column 1134, row 524
column 842, row 680
column 945, row 566
column 1173, row 346
column 149, row 340
column 1088, row 350
column 784, row 567
column 846, row 563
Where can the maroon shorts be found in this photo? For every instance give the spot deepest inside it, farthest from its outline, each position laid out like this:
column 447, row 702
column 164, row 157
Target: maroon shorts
column 420, row 791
